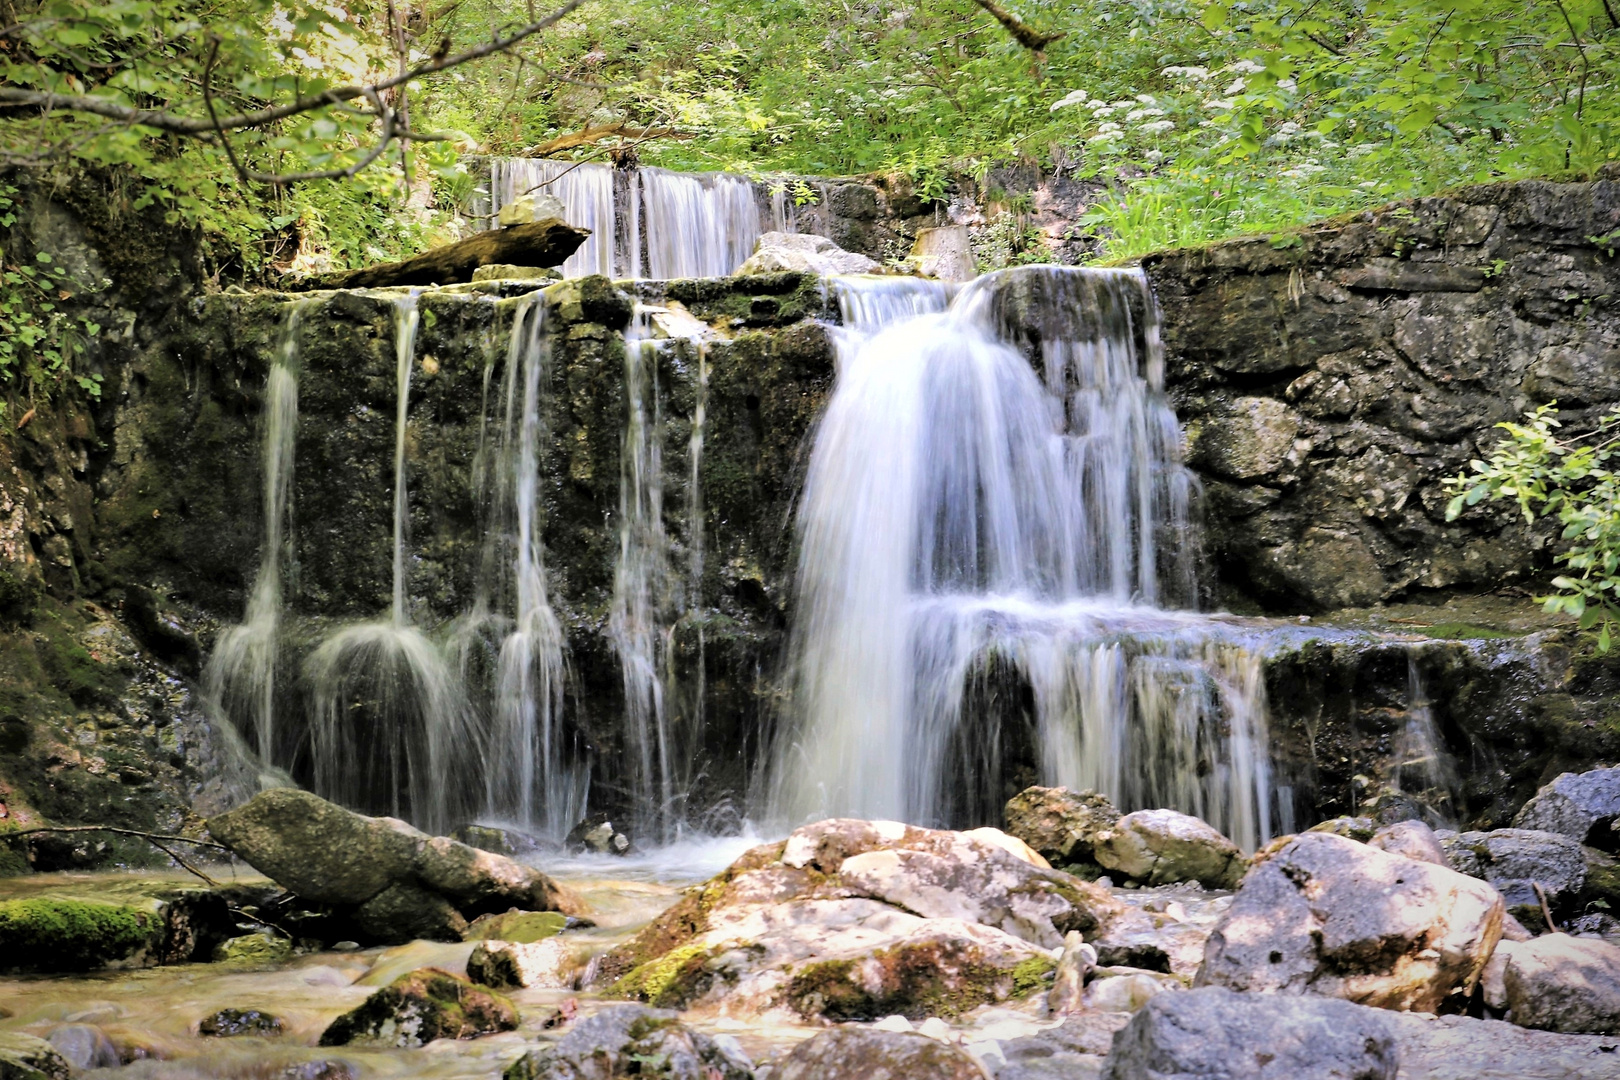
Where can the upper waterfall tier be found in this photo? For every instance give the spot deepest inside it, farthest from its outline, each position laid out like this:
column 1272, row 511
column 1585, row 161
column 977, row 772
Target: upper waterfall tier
column 645, row 223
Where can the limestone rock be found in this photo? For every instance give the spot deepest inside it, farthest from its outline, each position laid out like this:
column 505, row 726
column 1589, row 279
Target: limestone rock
column 535, row 206
column 229, row 1022
column 803, row 252
column 855, row 920
column 1463, row 1048
column 944, row 253
column 1411, row 839
column 1068, row 982
column 849, row 1053
column 596, row 833
column 1516, row 860
column 317, row 849
column 631, row 1040
column 1325, row 915
column 552, row 964
column 1581, row 806
column 1163, row 846
column 1251, row 442
column 1072, row 1050
column 1126, row 992
column 24, row 1057
column 406, row 912
column 1563, row 983
column 1213, row 1032
column 1059, row 823
column 421, row 1006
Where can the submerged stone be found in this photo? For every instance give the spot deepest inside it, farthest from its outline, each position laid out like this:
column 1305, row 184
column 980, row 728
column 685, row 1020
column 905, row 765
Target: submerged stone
column 253, row 949
column 229, row 1022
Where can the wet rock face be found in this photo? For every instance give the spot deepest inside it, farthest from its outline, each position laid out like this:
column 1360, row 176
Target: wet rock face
column 419, row 1007
column 1581, row 806
column 1328, row 382
column 1060, row 824
column 1516, row 861
column 1324, row 915
column 632, row 1040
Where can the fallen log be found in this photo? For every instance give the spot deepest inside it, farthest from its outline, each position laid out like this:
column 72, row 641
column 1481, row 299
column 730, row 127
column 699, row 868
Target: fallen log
column 539, row 243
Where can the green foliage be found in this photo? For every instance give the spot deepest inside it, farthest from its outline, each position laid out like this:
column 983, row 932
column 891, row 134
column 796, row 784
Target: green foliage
column 1569, row 478
column 39, row 338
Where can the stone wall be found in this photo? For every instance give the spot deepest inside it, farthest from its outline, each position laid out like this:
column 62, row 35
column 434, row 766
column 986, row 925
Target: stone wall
column 1329, row 379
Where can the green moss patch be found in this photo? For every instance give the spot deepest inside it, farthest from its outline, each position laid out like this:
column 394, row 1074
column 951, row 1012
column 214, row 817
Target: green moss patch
column 1458, row 631
column 672, row 981
column 72, row 935
column 915, row 980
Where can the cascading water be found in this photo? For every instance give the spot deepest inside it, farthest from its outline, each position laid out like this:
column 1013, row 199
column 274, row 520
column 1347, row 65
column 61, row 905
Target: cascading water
column 664, row 224
column 962, row 514
column 534, row 775
column 388, row 719
column 241, row 673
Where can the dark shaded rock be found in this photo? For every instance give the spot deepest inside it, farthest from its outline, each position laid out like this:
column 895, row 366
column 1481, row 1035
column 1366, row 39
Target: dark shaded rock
column 1581, row 806
column 406, row 912
column 850, row 1053
column 317, row 849
column 23, row 1057
column 631, row 1040
column 228, row 1022
column 1214, row 1032
column 421, row 1006
column 596, row 833
column 1060, row 824
column 481, row 881
column 1517, row 860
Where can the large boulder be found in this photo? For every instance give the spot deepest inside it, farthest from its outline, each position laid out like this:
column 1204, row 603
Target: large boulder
column 1463, row 1048
column 1073, row 1049
column 1516, row 861
column 1581, row 806
column 1412, row 839
column 397, row 884
column 1562, row 983
column 1060, row 823
column 1325, row 915
column 317, row 849
column 805, row 253
column 856, row 920
column 1214, row 1032
column 852, row 1053
column 44, row 934
column 1164, row 846
column 631, row 1040
column 419, row 1007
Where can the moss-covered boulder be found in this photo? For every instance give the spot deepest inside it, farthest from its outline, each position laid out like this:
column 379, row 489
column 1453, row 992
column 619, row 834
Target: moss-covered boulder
column 519, row 927
column 23, row 1057
column 52, row 935
column 230, row 1022
column 419, row 1007
column 629, row 1040
column 253, row 950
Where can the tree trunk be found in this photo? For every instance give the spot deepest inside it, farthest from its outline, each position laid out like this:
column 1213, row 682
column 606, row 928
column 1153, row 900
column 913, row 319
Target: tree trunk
column 538, row 243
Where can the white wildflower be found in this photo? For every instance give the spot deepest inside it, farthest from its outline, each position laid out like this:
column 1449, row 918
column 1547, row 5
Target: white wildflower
column 1288, row 86
column 1289, row 128
column 1237, row 87
column 1220, row 103
column 1104, row 137
column 1108, row 127
column 1157, row 127
column 1073, row 97
column 1147, row 99
column 1142, row 114
column 1154, row 155
column 1245, row 67
column 1193, row 74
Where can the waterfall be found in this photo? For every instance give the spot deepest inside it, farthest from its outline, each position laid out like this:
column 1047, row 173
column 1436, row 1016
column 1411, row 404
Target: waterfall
column 241, row 674
column 388, row 717
column 586, row 190
column 657, row 224
column 1421, row 765
column 533, row 775
column 963, row 514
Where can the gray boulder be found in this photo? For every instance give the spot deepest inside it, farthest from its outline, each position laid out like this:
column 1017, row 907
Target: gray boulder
column 317, row 849
column 1073, row 1050
column 1412, row 839
column 1164, row 846
column 1059, row 823
column 1214, row 1032
column 632, row 1040
column 24, row 1057
column 1326, row 915
column 1516, row 860
column 851, row 1053
column 1463, row 1048
column 805, row 253
column 482, row 881
column 1581, row 806
column 1562, row 983
column 408, row 912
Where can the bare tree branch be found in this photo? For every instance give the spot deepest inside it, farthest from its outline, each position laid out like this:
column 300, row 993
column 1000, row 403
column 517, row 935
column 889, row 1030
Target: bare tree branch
column 590, row 136
column 164, row 120
column 1029, row 37
column 161, row 841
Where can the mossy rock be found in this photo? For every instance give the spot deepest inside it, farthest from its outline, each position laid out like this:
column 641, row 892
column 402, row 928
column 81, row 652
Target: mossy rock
column 674, row 980
column 519, row 927
column 228, row 1022
column 419, row 1007
column 49, row 935
column 24, row 1057
column 916, row 980
column 252, row 950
